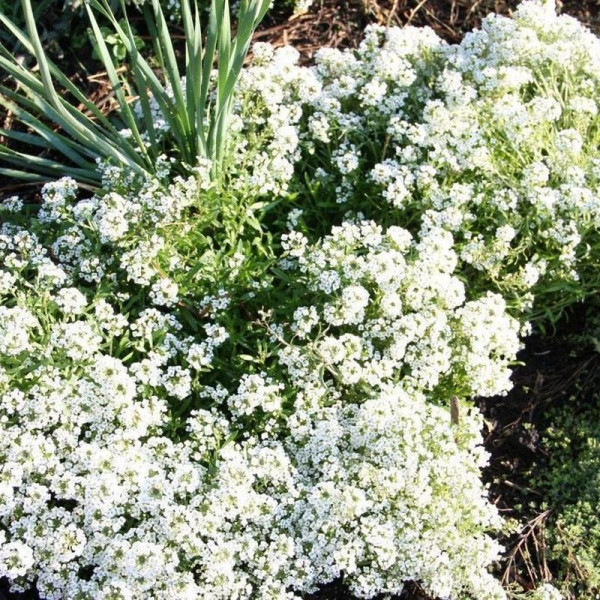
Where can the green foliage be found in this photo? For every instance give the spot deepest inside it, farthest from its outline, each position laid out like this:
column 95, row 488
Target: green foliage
column 571, row 485
column 114, row 42
column 197, row 119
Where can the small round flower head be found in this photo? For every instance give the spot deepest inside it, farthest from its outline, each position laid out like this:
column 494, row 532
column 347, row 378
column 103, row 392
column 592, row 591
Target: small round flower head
column 56, row 198
column 256, row 392
column 7, row 282
column 77, row 340
column 178, row 382
column 71, row 301
column 12, row 204
column 16, row 326
column 16, row 559
column 164, row 292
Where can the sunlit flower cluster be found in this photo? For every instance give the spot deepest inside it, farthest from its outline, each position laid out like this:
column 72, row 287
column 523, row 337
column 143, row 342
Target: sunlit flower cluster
column 494, row 139
column 387, row 309
column 241, row 389
column 132, row 466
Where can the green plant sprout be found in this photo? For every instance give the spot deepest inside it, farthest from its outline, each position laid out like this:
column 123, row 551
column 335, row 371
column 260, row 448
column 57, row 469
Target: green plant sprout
column 197, row 112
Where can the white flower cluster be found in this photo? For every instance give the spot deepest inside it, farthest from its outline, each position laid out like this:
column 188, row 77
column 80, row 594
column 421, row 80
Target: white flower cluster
column 169, row 429
column 16, row 324
column 272, row 91
column 124, row 221
column 254, row 392
column 381, row 501
column 337, row 461
column 264, row 140
column 83, row 456
column 545, row 591
column 493, row 139
column 388, row 309
column 264, row 143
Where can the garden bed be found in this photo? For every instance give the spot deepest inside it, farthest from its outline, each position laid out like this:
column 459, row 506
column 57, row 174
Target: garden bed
column 254, row 290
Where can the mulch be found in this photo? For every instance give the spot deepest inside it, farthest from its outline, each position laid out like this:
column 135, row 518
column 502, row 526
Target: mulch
column 340, row 23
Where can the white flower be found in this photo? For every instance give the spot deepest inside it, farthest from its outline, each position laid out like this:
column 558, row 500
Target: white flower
column 7, row 282
column 56, row 196
column 51, row 274
column 294, row 243
column 545, row 591
column 256, row 391
column 77, row 340
column 569, row 141
column 200, row 356
column 107, row 319
column 177, row 382
column 16, row 325
column 12, row 204
column 71, row 301
column 305, row 318
column 16, row 559
column 164, row 292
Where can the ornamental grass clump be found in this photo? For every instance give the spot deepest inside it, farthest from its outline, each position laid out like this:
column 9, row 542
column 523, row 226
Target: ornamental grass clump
column 197, row 111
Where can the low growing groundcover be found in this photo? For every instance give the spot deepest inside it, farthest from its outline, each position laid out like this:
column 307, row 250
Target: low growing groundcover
column 244, row 323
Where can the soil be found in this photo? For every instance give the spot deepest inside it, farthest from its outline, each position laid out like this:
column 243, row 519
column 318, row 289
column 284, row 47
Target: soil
column 557, row 371
column 339, row 23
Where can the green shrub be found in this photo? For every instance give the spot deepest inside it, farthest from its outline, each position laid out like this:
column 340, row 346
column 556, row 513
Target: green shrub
column 570, row 482
column 495, row 139
column 252, row 385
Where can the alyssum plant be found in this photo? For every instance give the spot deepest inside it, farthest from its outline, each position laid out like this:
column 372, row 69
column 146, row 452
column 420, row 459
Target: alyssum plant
column 195, row 101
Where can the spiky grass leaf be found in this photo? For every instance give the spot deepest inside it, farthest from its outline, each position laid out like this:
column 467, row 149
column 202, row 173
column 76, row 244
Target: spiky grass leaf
column 197, row 124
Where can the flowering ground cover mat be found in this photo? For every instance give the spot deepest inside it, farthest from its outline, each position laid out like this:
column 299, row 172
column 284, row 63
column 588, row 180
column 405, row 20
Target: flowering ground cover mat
column 244, row 326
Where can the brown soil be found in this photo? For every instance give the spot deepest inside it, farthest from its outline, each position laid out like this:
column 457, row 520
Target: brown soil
column 558, row 371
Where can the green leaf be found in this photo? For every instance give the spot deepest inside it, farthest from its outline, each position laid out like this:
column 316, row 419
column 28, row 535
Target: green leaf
column 81, row 133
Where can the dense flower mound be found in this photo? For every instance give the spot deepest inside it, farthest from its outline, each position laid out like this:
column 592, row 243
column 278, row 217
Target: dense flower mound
column 494, row 139
column 387, row 309
column 242, row 388
column 131, row 470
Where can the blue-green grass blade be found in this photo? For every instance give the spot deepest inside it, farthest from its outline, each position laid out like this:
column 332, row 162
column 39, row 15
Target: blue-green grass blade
column 39, row 53
column 142, row 88
column 150, row 79
column 30, row 82
column 250, row 14
column 66, row 116
column 249, row 19
column 125, row 110
column 173, row 77
column 208, row 60
column 91, row 140
column 44, row 166
column 43, row 135
column 193, row 71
